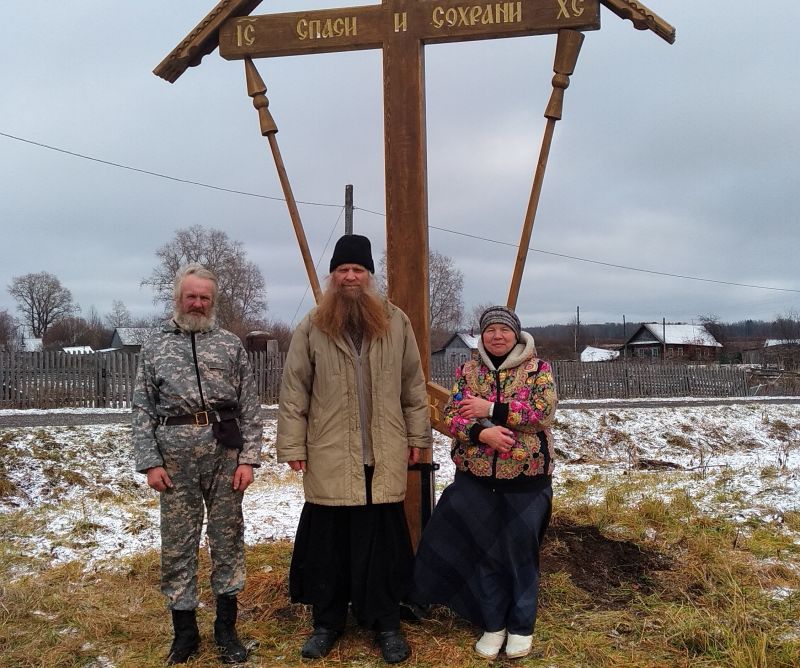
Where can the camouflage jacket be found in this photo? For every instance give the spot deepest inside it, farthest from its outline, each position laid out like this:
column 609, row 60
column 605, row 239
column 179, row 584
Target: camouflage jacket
column 167, row 385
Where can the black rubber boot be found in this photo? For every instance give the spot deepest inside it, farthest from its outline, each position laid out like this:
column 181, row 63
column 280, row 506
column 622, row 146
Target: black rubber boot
column 230, row 649
column 394, row 647
column 187, row 636
column 319, row 643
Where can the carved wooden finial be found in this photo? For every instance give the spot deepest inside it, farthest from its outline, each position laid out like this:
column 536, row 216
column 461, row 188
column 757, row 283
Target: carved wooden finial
column 567, row 49
column 256, row 88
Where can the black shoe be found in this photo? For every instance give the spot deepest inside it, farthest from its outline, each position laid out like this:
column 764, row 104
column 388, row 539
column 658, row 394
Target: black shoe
column 394, row 648
column 187, row 637
column 230, row 648
column 319, row 643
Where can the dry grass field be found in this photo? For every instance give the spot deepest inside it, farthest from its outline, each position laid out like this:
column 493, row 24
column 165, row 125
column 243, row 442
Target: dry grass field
column 674, row 543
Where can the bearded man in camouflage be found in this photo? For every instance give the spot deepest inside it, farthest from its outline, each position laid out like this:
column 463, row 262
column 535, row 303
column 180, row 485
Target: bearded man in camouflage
column 197, row 436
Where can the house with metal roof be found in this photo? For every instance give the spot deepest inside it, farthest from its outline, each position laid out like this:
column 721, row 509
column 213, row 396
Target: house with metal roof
column 457, row 350
column 130, row 339
column 654, row 341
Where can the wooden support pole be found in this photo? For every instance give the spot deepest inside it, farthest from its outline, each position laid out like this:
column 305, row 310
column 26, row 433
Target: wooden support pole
column 256, row 89
column 567, row 49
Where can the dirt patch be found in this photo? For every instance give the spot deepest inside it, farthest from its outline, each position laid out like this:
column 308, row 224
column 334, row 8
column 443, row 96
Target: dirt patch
column 610, row 570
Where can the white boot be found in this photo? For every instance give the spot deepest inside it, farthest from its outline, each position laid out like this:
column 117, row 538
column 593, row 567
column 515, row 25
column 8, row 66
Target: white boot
column 518, row 646
column 490, row 643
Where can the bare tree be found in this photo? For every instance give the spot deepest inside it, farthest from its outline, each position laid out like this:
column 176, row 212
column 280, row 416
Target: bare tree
column 9, row 333
column 714, row 326
column 473, row 322
column 69, row 331
column 242, row 292
column 787, row 326
column 41, row 300
column 446, row 287
column 119, row 316
column 78, row 331
column 281, row 332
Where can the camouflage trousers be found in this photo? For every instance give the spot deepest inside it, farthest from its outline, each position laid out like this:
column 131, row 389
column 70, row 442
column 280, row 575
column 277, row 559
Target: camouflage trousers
column 202, row 477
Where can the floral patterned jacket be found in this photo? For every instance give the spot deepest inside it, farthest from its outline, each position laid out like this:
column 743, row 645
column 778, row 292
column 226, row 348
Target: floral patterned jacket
column 525, row 385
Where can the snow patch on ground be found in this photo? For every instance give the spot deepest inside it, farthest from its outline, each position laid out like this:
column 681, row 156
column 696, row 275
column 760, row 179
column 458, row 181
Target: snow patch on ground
column 75, row 496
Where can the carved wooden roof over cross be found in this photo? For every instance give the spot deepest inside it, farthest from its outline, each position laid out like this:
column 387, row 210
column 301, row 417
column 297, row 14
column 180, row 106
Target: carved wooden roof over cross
column 204, row 38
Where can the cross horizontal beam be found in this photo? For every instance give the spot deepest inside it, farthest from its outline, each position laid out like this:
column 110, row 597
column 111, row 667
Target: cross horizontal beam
column 369, row 27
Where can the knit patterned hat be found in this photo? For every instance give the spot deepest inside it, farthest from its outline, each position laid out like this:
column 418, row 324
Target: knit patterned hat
column 500, row 315
column 353, row 249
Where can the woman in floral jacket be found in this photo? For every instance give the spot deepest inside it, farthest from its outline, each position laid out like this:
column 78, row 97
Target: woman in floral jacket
column 479, row 553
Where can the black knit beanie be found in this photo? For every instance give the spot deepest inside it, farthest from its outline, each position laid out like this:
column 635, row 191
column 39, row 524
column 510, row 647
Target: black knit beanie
column 353, row 249
column 500, row 315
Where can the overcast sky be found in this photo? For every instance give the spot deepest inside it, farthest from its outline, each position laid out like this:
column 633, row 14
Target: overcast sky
column 670, row 159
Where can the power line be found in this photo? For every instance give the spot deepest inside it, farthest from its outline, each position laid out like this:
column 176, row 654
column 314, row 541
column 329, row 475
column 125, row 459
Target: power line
column 600, row 262
column 157, row 174
column 618, row 266
column 377, row 213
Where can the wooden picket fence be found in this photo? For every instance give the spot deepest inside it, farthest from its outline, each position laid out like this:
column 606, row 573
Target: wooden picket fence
column 620, row 380
column 52, row 379
column 268, row 370
column 105, row 380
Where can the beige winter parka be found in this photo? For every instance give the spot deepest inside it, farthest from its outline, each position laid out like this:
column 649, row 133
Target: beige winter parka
column 319, row 413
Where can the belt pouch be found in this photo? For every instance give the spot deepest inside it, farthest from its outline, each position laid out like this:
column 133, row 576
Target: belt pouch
column 228, row 434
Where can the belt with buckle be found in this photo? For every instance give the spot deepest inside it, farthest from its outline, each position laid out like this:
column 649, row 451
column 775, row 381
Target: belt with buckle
column 201, row 419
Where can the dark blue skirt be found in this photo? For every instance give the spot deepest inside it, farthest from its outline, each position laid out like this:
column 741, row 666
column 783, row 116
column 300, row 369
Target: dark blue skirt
column 479, row 553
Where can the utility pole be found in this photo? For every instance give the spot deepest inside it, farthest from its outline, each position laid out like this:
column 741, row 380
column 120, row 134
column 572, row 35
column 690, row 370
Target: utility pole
column 624, row 340
column 577, row 327
column 348, row 209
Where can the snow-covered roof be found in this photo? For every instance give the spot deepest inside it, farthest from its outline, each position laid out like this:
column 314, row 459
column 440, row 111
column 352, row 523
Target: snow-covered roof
column 133, row 336
column 781, row 342
column 470, row 340
column 592, row 354
column 78, row 350
column 680, row 335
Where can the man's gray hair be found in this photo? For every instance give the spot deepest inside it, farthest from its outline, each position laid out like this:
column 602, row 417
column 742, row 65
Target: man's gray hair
column 192, row 269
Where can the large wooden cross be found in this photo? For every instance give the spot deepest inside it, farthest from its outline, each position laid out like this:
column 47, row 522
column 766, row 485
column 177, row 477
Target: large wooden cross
column 400, row 28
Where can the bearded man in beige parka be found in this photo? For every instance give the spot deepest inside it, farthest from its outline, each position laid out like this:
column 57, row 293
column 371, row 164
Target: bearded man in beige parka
column 353, row 413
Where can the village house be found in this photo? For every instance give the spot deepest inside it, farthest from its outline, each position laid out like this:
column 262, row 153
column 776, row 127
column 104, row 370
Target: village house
column 457, row 350
column 130, row 339
column 654, row 341
column 780, row 354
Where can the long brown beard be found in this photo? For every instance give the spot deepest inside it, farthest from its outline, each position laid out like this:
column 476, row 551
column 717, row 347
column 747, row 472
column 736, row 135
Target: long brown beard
column 355, row 309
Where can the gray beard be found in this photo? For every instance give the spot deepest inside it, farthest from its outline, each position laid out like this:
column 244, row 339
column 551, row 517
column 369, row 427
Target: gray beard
column 193, row 322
